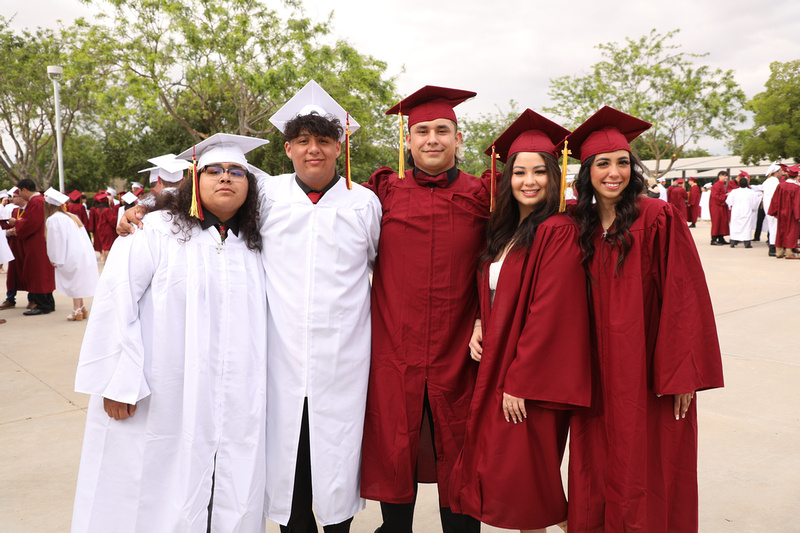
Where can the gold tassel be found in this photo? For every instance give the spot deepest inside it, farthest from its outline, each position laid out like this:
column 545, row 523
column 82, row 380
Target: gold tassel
column 562, row 206
column 400, row 166
column 493, row 179
column 195, row 210
column 347, row 154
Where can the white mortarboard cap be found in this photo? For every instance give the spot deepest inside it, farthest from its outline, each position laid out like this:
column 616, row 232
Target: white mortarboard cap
column 167, row 167
column 112, row 191
column 773, row 168
column 570, row 178
column 129, row 198
column 12, row 190
column 661, row 180
column 3, row 193
column 222, row 148
column 136, row 185
column 309, row 99
column 54, row 197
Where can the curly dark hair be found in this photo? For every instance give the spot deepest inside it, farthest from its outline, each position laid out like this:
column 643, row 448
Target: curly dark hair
column 178, row 204
column 314, row 124
column 504, row 227
column 627, row 211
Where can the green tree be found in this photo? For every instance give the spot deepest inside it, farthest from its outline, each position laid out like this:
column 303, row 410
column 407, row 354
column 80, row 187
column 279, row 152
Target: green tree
column 776, row 114
column 650, row 79
column 27, row 113
column 479, row 134
column 228, row 65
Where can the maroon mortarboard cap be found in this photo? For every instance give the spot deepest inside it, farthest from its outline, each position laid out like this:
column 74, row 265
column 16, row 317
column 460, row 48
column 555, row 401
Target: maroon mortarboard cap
column 531, row 132
column 608, row 130
column 100, row 196
column 793, row 170
column 75, row 195
column 743, row 174
column 430, row 103
column 679, row 182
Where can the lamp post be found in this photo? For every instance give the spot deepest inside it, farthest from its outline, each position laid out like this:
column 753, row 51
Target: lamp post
column 55, row 73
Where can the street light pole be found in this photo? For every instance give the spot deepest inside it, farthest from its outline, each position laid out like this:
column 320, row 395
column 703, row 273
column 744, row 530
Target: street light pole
column 55, row 73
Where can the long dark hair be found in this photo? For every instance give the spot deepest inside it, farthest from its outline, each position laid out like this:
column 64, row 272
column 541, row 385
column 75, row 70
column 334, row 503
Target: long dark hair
column 504, row 226
column 626, row 209
column 179, row 202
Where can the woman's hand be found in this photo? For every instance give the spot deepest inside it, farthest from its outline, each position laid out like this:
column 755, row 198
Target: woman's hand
column 118, row 410
column 681, row 405
column 514, row 408
column 476, row 341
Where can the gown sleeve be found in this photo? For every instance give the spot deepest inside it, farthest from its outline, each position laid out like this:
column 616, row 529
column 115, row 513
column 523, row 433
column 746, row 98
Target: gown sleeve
column 379, row 182
column 112, row 357
column 56, row 240
column 553, row 358
column 687, row 355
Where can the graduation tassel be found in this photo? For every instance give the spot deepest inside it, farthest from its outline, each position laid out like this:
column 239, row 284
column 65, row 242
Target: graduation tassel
column 493, row 179
column 347, row 153
column 401, row 172
column 562, row 206
column 195, row 210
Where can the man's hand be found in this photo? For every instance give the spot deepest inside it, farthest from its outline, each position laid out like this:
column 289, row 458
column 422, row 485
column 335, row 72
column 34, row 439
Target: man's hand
column 118, row 410
column 131, row 219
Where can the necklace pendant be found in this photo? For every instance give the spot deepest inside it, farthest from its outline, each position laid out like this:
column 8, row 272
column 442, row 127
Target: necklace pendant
column 219, row 248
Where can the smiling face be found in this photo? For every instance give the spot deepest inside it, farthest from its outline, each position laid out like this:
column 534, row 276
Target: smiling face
column 220, row 195
column 314, row 158
column 610, row 174
column 433, row 145
column 529, row 182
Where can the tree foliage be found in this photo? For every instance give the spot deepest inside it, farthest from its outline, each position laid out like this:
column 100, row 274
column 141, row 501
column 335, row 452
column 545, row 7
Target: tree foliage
column 228, row 65
column 479, row 134
column 651, row 79
column 27, row 109
column 776, row 114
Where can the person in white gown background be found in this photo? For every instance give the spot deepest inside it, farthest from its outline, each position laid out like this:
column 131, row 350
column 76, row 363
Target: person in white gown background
column 743, row 203
column 71, row 253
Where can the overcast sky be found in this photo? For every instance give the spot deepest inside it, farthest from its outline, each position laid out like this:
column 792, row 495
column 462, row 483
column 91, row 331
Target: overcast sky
column 510, row 49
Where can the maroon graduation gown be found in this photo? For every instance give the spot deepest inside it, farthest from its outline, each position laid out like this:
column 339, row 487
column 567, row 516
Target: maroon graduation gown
column 536, row 346
column 14, row 279
column 731, row 184
column 424, row 304
column 106, row 227
column 694, row 204
column 79, row 211
column 38, row 273
column 677, row 197
column 633, row 467
column 94, row 223
column 785, row 206
column 720, row 216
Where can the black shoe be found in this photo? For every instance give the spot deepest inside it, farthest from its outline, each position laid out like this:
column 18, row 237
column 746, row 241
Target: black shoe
column 733, row 244
column 35, row 311
column 723, row 241
column 714, row 242
column 757, row 239
column 692, row 226
column 747, row 244
column 771, row 251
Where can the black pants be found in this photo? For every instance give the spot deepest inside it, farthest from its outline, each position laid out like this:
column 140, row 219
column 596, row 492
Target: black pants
column 301, row 519
column 43, row 301
column 399, row 517
column 759, row 223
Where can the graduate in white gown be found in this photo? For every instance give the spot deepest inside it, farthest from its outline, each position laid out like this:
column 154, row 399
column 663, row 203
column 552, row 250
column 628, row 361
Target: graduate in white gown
column 705, row 198
column 5, row 213
column 71, row 253
column 743, row 203
column 320, row 242
column 174, row 357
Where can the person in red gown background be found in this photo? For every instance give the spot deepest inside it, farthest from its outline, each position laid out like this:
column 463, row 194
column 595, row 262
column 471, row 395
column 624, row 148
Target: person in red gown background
column 424, row 302
column 785, row 206
column 693, row 203
column 633, row 454
column 532, row 341
column 677, row 197
column 720, row 215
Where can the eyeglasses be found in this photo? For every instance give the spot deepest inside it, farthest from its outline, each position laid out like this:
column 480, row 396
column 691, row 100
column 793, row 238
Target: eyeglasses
column 234, row 173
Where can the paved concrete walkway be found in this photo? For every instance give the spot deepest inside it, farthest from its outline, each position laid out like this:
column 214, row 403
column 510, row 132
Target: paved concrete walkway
column 749, row 431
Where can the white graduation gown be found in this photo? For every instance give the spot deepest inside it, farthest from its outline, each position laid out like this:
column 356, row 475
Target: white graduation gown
column 743, row 203
column 705, row 210
column 5, row 250
column 317, row 259
column 769, row 186
column 178, row 329
column 72, row 253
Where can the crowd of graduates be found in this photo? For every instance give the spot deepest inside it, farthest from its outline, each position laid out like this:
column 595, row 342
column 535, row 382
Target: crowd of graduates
column 284, row 347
